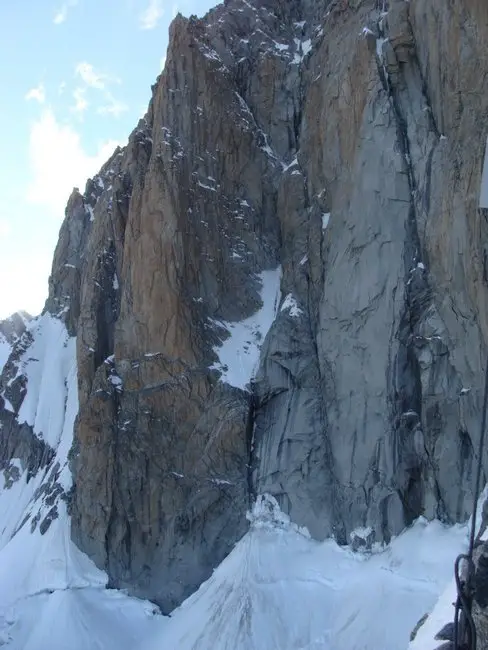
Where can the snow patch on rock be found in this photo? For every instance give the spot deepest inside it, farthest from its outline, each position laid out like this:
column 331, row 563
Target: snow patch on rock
column 291, row 306
column 5, row 349
column 239, row 353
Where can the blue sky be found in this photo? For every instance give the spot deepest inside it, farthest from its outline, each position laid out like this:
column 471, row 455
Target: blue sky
column 75, row 78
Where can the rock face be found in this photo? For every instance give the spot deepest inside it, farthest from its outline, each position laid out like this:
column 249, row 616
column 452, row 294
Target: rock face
column 335, row 147
column 11, row 329
column 17, row 440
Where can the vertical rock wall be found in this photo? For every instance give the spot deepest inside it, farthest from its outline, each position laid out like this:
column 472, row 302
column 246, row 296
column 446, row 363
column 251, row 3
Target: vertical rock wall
column 340, row 145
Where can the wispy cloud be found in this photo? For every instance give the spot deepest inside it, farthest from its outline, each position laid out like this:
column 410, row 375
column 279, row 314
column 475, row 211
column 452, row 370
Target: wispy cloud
column 94, row 80
column 114, row 107
column 151, row 14
column 91, row 77
column 62, row 12
column 38, row 93
column 81, row 103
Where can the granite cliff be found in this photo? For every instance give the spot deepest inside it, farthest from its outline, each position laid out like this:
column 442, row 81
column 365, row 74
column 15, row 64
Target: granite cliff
column 278, row 286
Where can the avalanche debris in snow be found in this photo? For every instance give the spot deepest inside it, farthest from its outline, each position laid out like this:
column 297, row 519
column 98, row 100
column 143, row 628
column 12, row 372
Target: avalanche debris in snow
column 239, row 353
column 362, row 532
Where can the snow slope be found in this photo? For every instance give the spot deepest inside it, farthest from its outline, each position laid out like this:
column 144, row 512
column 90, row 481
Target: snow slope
column 277, row 590
column 280, row 590
column 49, row 365
column 52, row 595
column 443, row 612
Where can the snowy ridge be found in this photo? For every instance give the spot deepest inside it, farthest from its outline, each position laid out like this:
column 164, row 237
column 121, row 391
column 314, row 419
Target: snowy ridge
column 281, row 590
column 51, row 594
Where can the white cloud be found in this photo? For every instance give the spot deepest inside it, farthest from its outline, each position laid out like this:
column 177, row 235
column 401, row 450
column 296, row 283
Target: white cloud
column 59, row 162
column 60, row 17
column 114, row 107
column 62, row 13
column 162, row 62
column 81, row 103
column 61, row 87
column 151, row 14
column 89, row 75
column 38, row 93
column 95, row 80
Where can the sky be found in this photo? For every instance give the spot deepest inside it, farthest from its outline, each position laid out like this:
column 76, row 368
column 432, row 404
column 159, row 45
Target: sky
column 75, row 77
